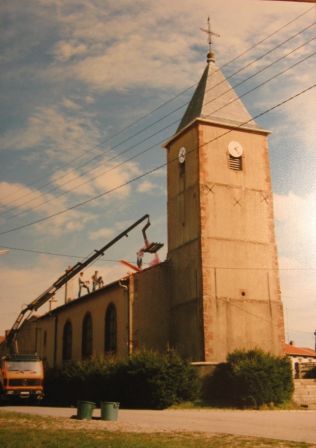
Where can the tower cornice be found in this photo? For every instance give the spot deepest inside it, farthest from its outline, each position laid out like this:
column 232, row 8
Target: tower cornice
column 218, row 123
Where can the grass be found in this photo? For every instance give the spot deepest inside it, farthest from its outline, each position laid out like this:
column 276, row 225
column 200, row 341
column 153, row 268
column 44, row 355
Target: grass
column 23, row 431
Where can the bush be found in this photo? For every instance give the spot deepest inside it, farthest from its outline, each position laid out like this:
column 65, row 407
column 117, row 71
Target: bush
column 145, row 380
column 151, row 380
column 76, row 381
column 250, row 379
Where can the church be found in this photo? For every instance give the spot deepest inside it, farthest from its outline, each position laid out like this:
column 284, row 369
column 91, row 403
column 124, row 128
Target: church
column 218, row 289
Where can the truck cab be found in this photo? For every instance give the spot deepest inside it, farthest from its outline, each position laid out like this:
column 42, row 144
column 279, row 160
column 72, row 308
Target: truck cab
column 21, row 376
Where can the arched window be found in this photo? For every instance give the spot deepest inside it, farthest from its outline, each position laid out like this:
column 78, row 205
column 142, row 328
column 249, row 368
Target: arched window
column 110, row 333
column 87, row 337
column 67, row 341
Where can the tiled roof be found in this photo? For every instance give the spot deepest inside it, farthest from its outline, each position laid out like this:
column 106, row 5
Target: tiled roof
column 214, row 99
column 298, row 351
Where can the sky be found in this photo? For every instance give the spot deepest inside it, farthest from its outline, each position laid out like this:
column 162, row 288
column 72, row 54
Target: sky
column 90, row 90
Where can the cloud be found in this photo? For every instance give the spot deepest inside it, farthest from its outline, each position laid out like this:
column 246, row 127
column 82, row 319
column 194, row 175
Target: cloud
column 89, row 99
column 17, row 198
column 23, row 284
column 129, row 64
column 67, row 223
column 103, row 233
column 106, row 176
column 70, row 104
column 64, row 51
column 146, row 187
column 70, row 180
column 296, row 223
column 150, row 43
column 13, row 196
column 299, row 120
column 59, row 134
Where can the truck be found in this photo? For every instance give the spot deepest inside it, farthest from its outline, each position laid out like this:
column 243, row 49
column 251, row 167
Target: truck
column 21, row 377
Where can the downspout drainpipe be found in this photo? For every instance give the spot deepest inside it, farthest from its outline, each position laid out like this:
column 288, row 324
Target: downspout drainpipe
column 131, row 297
column 130, row 302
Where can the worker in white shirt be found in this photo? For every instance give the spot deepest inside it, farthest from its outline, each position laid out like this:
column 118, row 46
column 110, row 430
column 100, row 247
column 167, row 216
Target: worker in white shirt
column 83, row 284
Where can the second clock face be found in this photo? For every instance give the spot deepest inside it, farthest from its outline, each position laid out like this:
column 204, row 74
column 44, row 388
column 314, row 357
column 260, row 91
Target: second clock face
column 235, row 149
column 181, row 154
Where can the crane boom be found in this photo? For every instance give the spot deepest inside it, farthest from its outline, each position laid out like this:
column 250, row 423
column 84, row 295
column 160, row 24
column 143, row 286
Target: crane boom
column 61, row 281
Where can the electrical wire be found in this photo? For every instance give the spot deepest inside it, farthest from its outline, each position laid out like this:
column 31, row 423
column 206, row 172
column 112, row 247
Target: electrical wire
column 80, row 204
column 21, row 212
column 176, row 96
column 57, row 254
column 233, row 268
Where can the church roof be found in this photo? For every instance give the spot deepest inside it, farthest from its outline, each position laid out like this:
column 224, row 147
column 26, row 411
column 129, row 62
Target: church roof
column 215, row 100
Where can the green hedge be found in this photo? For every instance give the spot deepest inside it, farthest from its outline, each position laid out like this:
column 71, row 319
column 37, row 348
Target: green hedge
column 145, row 380
column 250, row 379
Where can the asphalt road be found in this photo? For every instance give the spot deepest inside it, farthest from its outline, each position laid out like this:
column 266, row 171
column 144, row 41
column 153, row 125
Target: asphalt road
column 298, row 425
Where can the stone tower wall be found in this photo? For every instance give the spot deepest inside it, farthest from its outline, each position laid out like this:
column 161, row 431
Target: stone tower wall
column 186, row 333
column 241, row 290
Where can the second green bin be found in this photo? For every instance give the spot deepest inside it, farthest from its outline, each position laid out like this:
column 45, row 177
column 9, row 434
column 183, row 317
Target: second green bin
column 109, row 410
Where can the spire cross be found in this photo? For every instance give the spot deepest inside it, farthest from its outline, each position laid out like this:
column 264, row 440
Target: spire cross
column 210, row 33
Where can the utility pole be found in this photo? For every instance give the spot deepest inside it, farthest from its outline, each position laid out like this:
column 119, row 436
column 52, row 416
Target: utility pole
column 315, row 339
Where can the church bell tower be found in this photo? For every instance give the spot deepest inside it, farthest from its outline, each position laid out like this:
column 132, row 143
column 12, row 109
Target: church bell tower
column 225, row 289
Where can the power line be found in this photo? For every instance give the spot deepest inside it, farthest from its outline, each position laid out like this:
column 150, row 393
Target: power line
column 238, row 268
column 57, row 254
column 41, row 252
column 87, row 181
column 80, row 204
column 176, row 96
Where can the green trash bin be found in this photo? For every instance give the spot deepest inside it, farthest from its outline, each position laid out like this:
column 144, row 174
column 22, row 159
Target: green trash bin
column 109, row 410
column 85, row 410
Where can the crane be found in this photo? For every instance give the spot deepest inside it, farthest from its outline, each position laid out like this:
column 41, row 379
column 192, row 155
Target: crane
column 11, row 337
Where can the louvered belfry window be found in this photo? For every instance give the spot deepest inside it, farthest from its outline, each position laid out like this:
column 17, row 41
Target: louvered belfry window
column 235, row 163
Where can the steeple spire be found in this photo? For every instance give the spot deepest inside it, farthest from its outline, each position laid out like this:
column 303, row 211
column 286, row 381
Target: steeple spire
column 210, row 54
column 214, row 99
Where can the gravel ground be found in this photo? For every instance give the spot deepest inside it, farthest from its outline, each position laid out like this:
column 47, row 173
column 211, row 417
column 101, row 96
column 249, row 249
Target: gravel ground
column 284, row 425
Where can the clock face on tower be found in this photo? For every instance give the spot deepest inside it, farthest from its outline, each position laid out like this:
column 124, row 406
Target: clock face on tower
column 181, row 155
column 235, row 149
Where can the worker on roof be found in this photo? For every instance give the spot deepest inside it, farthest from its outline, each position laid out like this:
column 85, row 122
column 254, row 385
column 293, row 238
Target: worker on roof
column 94, row 279
column 97, row 281
column 83, row 284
